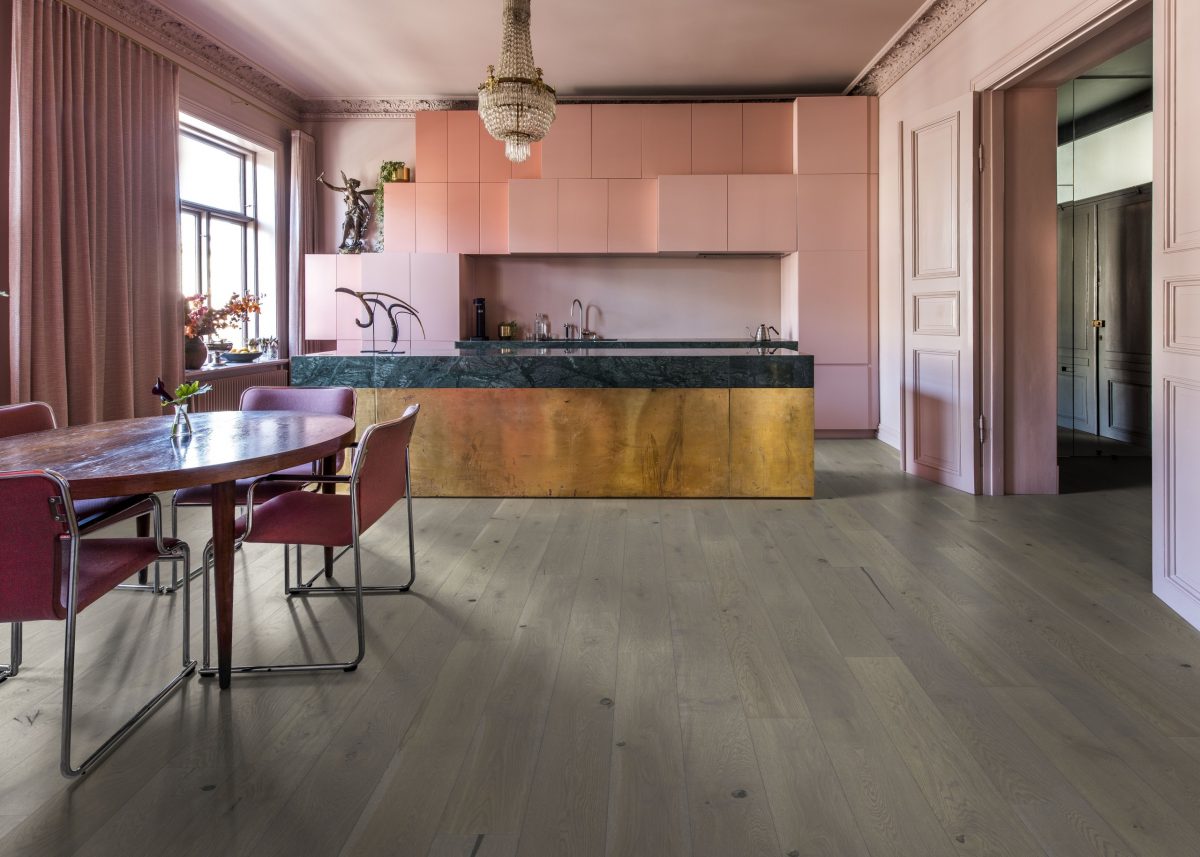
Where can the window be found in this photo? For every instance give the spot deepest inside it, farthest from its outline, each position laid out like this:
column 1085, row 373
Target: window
column 223, row 233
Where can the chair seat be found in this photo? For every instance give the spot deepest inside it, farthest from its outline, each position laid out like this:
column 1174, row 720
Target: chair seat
column 301, row 517
column 109, row 510
column 103, row 563
column 201, row 495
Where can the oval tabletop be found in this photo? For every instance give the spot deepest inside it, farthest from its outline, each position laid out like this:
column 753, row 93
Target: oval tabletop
column 139, row 456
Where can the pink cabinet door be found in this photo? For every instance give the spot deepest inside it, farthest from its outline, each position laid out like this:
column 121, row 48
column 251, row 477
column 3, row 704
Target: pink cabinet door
column 666, row 140
column 320, row 280
column 347, row 309
column 832, row 134
column 582, row 215
column 617, row 141
column 531, row 167
column 431, row 217
column 493, row 165
column 462, row 217
column 493, row 217
column 435, row 279
column 567, row 149
column 842, row 398
column 400, row 217
column 832, row 212
column 387, row 273
column 462, row 146
column 833, row 293
column 762, row 213
column 767, row 138
column 632, row 216
column 431, row 146
column 693, row 213
column 533, row 216
column 716, row 138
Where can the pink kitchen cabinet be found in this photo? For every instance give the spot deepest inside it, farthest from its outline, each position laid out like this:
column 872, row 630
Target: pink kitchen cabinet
column 430, row 165
column 567, row 148
column 320, row 280
column 462, row 146
column 693, row 213
column 762, row 213
column 832, row 134
column 767, row 138
column 833, row 295
column 716, row 138
column 400, row 217
column 531, row 167
column 617, row 141
column 462, row 217
column 493, row 165
column 582, row 215
column 387, row 273
column 436, row 280
column 493, row 217
column 832, row 211
column 533, row 216
column 431, row 217
column 666, row 140
column 632, row 215
column 842, row 398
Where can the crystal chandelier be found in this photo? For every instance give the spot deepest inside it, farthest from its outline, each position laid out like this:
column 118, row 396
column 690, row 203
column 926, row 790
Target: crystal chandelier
column 515, row 104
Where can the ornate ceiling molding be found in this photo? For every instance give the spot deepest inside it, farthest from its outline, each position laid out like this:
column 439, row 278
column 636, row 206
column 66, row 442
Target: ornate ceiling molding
column 378, row 108
column 925, row 33
column 180, row 37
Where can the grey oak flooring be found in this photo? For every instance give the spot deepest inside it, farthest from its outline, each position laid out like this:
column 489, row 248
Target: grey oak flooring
column 891, row 669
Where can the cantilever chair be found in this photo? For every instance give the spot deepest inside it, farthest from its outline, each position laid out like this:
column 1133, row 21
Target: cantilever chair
column 48, row 572
column 92, row 515
column 377, row 482
column 314, row 400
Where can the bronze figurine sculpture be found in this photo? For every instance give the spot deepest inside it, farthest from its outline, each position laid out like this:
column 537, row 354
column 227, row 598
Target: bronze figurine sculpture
column 358, row 213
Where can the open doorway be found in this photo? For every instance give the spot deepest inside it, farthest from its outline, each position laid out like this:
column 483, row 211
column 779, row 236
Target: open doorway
column 1104, row 193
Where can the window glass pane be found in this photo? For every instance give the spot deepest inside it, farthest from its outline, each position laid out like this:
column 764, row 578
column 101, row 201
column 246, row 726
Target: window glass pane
column 189, row 267
column 227, row 260
column 210, row 175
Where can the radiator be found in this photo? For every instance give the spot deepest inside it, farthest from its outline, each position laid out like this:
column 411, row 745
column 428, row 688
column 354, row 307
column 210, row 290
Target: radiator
column 229, row 384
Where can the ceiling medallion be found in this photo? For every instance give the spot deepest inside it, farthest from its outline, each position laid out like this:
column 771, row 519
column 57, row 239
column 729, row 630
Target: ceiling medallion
column 515, row 104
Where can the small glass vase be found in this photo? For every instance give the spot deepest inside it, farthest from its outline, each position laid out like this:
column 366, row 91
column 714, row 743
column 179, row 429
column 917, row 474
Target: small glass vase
column 182, row 425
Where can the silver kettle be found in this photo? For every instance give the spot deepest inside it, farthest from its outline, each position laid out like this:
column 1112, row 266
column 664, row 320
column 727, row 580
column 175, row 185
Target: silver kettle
column 762, row 334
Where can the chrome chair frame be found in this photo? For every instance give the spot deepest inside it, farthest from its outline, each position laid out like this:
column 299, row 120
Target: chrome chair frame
column 10, row 669
column 207, row 671
column 66, row 515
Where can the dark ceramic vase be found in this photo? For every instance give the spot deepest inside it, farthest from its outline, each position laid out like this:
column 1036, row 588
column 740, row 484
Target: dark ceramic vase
column 195, row 352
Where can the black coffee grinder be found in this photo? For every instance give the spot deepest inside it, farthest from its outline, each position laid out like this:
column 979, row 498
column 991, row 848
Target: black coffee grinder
column 480, row 321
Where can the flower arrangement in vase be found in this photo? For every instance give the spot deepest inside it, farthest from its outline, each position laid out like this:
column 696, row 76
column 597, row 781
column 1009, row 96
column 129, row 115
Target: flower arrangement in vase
column 180, row 399
column 199, row 320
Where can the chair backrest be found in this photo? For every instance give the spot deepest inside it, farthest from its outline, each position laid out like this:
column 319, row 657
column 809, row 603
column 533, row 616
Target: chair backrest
column 313, row 400
column 380, row 467
column 25, row 418
column 34, row 532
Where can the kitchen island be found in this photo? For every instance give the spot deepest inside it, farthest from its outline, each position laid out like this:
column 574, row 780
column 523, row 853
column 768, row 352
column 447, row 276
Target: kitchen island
column 576, row 420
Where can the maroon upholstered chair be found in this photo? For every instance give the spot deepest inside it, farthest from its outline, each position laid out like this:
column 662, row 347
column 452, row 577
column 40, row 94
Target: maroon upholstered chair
column 313, row 400
column 378, row 480
column 48, row 572
column 91, row 515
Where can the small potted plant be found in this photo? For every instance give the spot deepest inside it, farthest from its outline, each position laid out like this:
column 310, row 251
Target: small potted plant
column 237, row 314
column 183, row 394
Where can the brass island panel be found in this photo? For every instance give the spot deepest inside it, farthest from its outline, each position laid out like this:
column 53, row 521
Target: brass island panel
column 677, row 442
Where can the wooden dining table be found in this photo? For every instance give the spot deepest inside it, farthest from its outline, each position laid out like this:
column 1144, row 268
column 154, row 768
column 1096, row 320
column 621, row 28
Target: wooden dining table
column 140, row 456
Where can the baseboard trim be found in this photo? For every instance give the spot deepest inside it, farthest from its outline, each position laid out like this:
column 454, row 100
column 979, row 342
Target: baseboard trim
column 845, row 434
column 889, row 435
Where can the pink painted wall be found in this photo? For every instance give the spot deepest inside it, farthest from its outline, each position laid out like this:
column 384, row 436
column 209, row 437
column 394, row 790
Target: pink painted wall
column 634, row 297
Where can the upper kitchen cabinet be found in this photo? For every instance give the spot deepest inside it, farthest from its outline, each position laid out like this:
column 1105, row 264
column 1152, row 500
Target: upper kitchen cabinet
column 494, row 166
column 832, row 134
column 431, row 217
column 632, row 215
column 567, row 148
column 617, row 141
column 762, row 213
column 582, row 215
column 531, row 167
column 533, row 216
column 462, row 146
column 493, row 217
column 767, row 138
column 462, row 217
column 693, row 213
column 400, row 217
column 716, row 138
column 432, row 143
column 666, row 140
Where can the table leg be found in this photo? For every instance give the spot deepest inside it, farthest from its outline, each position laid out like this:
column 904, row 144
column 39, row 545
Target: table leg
column 143, row 530
column 223, row 495
column 329, row 468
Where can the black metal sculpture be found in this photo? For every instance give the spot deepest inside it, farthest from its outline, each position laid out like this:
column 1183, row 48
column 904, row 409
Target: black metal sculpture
column 392, row 306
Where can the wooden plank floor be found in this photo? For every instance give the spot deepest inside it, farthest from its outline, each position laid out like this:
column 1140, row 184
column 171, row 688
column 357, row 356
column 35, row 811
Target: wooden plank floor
column 892, row 669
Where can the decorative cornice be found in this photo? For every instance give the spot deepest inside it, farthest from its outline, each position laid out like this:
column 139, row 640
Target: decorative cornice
column 180, row 37
column 925, row 33
column 378, row 108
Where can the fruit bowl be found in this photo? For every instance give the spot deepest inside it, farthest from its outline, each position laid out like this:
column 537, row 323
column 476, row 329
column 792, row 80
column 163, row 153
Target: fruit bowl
column 241, row 356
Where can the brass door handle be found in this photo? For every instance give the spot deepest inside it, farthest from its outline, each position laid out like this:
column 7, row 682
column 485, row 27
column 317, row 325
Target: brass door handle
column 1097, row 322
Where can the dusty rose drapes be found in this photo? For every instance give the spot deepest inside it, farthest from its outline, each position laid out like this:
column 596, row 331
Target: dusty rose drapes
column 302, row 232
column 94, row 252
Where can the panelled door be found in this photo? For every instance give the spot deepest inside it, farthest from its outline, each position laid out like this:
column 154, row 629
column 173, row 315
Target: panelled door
column 1077, row 408
column 941, row 423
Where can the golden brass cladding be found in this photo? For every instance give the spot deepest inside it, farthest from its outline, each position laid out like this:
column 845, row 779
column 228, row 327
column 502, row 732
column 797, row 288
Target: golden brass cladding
column 605, row 442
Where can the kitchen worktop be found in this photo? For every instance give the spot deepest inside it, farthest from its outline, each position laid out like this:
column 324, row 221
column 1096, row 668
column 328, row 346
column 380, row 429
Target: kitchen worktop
column 741, row 342
column 556, row 365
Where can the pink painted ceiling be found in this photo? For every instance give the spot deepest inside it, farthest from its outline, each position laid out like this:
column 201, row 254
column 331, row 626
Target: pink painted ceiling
column 391, row 48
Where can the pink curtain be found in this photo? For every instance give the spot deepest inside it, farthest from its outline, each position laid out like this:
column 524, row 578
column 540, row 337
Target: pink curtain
column 94, row 243
column 302, row 234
